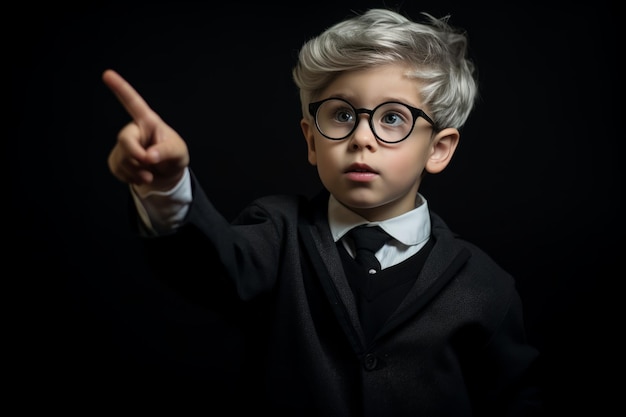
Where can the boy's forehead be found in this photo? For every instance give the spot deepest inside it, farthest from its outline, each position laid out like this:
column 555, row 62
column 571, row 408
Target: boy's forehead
column 372, row 86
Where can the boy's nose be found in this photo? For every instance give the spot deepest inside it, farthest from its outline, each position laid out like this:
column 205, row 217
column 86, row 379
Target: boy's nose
column 363, row 136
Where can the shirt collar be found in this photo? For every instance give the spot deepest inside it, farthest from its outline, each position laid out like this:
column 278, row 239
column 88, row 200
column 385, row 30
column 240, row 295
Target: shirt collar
column 410, row 228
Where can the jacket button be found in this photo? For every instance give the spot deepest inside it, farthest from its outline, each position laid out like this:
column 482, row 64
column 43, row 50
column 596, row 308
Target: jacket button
column 370, row 361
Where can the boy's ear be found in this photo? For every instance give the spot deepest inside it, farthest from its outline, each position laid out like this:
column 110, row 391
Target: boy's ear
column 307, row 131
column 442, row 148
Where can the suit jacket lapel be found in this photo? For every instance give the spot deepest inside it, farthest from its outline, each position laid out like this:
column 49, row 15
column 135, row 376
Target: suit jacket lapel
column 322, row 249
column 442, row 264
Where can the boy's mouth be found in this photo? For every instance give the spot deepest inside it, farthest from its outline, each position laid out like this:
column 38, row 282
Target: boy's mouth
column 361, row 173
column 361, row 168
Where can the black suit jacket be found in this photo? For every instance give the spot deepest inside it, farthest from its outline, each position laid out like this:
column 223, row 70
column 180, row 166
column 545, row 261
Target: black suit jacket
column 455, row 346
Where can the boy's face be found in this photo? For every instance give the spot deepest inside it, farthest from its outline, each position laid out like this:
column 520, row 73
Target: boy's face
column 375, row 179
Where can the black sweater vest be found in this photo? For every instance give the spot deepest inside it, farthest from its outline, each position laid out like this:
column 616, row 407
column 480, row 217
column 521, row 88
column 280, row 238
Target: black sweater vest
column 378, row 295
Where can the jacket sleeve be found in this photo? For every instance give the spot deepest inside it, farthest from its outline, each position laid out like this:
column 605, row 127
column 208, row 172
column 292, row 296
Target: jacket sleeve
column 506, row 376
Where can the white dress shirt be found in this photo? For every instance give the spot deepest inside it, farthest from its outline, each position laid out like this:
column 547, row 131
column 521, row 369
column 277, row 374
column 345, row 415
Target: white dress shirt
column 410, row 231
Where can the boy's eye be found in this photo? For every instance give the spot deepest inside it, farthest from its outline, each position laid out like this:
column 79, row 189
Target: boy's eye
column 344, row 116
column 391, row 119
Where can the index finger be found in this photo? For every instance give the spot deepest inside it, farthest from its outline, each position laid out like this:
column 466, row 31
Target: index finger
column 134, row 104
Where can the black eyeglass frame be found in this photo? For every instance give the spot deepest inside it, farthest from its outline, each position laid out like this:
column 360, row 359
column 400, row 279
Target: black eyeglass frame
column 415, row 112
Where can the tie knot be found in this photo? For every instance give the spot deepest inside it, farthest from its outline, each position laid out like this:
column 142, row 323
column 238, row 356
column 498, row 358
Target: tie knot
column 369, row 238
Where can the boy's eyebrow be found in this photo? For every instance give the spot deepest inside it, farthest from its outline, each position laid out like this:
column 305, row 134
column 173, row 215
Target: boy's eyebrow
column 352, row 100
column 346, row 97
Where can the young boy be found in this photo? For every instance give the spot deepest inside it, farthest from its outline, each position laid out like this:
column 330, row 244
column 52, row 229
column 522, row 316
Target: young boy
column 436, row 329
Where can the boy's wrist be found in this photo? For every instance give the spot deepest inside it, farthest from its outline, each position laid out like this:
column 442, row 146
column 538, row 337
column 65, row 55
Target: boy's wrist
column 159, row 187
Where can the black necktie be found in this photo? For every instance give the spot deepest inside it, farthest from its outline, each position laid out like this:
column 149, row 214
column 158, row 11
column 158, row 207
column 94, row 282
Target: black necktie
column 367, row 241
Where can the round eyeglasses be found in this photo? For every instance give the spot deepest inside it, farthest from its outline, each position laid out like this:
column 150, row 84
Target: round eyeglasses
column 391, row 122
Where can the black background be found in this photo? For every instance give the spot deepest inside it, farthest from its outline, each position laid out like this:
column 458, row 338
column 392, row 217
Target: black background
column 535, row 182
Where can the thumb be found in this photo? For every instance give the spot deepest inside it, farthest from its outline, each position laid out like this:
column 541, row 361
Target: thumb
column 168, row 148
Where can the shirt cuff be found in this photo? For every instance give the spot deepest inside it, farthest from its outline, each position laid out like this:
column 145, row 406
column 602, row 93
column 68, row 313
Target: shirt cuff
column 163, row 212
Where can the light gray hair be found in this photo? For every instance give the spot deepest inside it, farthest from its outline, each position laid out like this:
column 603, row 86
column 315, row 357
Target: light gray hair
column 435, row 52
